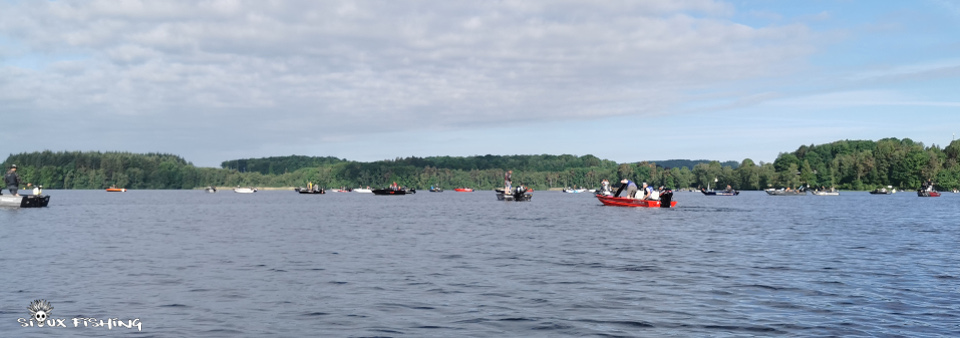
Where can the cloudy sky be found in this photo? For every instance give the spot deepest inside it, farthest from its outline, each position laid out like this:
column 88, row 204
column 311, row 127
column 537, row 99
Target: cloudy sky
column 626, row 80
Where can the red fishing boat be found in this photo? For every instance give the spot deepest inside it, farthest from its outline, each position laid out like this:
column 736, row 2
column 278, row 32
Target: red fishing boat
column 630, row 202
column 923, row 193
column 112, row 189
column 463, row 190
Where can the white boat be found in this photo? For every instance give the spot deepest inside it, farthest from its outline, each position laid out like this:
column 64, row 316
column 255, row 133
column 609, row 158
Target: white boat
column 574, row 191
column 825, row 193
column 245, row 190
column 363, row 190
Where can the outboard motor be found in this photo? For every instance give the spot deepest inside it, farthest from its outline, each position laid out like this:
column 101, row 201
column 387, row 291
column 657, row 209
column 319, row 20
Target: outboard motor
column 666, row 197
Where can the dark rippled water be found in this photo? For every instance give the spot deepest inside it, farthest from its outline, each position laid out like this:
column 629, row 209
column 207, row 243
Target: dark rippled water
column 279, row 264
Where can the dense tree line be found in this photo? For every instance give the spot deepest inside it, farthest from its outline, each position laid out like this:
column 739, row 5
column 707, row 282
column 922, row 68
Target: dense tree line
column 858, row 165
column 278, row 164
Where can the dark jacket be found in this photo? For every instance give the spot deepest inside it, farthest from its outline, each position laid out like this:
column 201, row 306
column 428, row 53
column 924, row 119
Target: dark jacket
column 11, row 178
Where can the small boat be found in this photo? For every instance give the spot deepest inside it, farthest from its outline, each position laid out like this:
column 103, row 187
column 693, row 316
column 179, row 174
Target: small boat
column 432, row 189
column 784, row 192
column 342, row 190
column 112, row 189
column 463, row 190
column 24, row 201
column 363, row 190
column 518, row 195
column 315, row 190
column 631, row 202
column 574, row 191
column 211, row 189
column 719, row 193
column 825, row 192
column 710, row 192
column 389, row 191
column 244, row 190
column 884, row 191
column 928, row 193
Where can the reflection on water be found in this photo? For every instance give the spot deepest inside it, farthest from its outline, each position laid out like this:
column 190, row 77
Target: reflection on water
column 276, row 263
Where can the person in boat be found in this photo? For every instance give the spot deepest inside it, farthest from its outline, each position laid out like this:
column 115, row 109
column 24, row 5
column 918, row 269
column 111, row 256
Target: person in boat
column 12, row 180
column 394, row 186
column 649, row 193
column 507, row 180
column 605, row 187
column 631, row 188
column 729, row 188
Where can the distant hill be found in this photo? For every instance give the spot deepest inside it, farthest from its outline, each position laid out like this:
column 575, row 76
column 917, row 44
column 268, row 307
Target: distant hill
column 690, row 163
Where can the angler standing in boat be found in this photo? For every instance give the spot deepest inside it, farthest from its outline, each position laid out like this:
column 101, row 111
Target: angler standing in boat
column 631, row 188
column 12, row 180
column 507, row 181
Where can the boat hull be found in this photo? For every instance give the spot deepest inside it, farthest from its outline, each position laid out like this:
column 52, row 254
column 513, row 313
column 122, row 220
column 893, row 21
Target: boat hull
column 826, row 193
column 244, row 190
column 463, row 190
column 630, row 202
column 363, row 191
column 116, row 190
column 786, row 193
column 29, row 201
column 928, row 194
column 391, row 192
column 514, row 198
column 719, row 193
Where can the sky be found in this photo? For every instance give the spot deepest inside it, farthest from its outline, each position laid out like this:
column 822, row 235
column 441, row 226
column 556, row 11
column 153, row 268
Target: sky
column 625, row 80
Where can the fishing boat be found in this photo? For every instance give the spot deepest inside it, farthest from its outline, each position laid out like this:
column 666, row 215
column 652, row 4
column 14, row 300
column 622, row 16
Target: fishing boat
column 463, row 190
column 825, row 192
column 363, row 190
column 719, row 193
column 24, row 201
column 211, row 189
column 517, row 195
column 928, row 193
column 435, row 189
column 574, row 191
column 244, row 190
column 889, row 190
column 711, row 192
column 314, row 190
column 636, row 203
column 112, row 189
column 397, row 192
column 786, row 192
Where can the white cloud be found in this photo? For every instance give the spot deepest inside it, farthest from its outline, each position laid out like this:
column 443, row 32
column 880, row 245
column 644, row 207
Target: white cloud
column 335, row 66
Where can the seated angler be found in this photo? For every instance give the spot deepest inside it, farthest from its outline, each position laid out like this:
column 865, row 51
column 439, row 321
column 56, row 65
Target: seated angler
column 649, row 193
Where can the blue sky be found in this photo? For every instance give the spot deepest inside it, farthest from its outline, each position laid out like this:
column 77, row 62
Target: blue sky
column 368, row 80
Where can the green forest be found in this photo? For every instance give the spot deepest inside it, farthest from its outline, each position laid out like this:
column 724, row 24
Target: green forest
column 847, row 164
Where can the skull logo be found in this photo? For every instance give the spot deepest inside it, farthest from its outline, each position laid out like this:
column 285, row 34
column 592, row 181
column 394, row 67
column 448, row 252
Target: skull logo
column 40, row 316
column 40, row 311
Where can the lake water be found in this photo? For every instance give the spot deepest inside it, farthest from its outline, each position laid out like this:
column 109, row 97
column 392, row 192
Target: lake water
column 279, row 264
